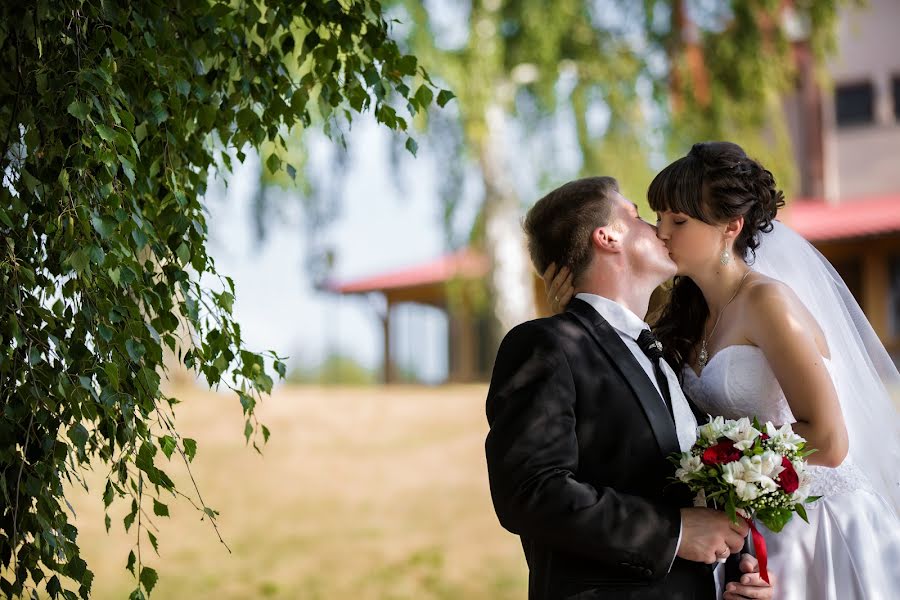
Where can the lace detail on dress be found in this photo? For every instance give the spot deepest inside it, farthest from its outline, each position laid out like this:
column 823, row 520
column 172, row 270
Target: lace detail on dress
column 738, row 382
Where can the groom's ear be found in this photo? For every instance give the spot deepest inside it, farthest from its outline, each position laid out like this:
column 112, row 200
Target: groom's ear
column 607, row 238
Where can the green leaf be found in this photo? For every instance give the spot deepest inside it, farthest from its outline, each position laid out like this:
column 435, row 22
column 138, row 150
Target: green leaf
column 160, row 509
column 103, row 225
column 79, row 260
column 183, row 253
column 129, row 519
column 135, row 349
column 131, row 560
column 53, row 587
column 5, row 218
column 190, row 448
column 412, row 146
column 79, row 110
column 97, row 255
column 107, row 133
column 273, row 162
column 139, row 237
column 407, row 65
column 108, row 494
column 148, row 578
column 153, row 542
column 424, row 96
column 167, row 445
column 118, row 39
column 774, row 518
column 140, row 132
column 445, row 96
column 79, row 435
column 127, row 168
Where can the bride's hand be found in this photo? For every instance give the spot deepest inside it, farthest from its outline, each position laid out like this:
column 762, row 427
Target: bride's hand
column 559, row 287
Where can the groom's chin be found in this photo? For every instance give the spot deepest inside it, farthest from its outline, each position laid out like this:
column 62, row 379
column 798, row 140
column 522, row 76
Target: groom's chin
column 669, row 270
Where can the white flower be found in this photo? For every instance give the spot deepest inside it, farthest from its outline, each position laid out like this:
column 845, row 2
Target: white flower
column 753, row 476
column 746, row 490
column 733, row 471
column 742, row 433
column 802, row 492
column 784, row 437
column 762, row 470
column 689, row 466
column 713, row 430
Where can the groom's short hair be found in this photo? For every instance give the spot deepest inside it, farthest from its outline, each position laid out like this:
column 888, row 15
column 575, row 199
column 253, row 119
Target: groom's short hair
column 559, row 225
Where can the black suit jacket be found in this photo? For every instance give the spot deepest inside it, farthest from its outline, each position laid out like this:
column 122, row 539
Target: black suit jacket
column 576, row 458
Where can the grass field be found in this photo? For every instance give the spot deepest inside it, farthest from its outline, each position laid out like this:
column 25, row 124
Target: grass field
column 364, row 493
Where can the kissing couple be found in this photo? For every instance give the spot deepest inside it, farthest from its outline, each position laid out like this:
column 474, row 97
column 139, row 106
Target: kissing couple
column 585, row 406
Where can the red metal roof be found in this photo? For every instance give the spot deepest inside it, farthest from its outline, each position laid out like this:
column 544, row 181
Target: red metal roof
column 819, row 221
column 466, row 263
column 816, row 220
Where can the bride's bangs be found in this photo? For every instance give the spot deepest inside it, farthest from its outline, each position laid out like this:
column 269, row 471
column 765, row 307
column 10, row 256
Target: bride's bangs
column 679, row 188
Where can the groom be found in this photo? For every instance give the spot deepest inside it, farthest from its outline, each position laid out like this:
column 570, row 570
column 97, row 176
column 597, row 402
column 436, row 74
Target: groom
column 582, row 417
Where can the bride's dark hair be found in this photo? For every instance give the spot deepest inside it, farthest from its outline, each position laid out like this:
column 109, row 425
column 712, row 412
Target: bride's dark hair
column 716, row 183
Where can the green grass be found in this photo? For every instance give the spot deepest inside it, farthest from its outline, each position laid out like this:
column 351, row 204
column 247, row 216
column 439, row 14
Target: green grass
column 364, row 493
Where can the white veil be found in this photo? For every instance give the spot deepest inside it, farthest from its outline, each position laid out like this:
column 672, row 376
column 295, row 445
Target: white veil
column 864, row 374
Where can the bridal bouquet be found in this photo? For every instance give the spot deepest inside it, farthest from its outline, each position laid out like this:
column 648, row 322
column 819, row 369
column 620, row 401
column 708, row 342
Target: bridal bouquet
column 737, row 467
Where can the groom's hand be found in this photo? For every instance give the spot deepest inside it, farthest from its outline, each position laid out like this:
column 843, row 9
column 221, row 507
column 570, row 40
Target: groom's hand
column 751, row 585
column 708, row 535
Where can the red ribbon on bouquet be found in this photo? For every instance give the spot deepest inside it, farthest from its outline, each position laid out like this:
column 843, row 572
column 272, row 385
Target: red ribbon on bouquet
column 759, row 546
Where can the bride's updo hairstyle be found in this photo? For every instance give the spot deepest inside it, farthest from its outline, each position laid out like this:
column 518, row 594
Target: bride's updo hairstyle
column 716, row 183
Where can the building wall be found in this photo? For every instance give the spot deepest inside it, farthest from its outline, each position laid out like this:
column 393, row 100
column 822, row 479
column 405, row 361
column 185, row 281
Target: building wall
column 865, row 159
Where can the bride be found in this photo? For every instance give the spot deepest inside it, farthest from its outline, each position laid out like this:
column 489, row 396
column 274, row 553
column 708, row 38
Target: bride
column 758, row 323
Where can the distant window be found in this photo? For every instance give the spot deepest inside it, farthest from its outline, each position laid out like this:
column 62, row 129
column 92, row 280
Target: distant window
column 894, row 299
column 854, row 104
column 896, row 90
column 850, row 270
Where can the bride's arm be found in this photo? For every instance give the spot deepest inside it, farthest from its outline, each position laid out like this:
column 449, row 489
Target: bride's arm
column 786, row 332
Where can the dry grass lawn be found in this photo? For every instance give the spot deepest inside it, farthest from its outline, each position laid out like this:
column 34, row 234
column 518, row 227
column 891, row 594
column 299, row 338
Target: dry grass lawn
column 364, row 493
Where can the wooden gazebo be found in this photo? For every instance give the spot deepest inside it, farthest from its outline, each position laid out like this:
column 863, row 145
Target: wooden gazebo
column 445, row 283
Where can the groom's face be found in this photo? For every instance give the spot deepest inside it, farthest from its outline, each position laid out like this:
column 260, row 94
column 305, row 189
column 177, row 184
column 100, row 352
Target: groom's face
column 647, row 255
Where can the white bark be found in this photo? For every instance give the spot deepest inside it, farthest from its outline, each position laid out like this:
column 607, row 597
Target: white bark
column 511, row 271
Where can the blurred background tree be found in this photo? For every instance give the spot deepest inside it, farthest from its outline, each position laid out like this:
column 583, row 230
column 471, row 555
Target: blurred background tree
column 551, row 90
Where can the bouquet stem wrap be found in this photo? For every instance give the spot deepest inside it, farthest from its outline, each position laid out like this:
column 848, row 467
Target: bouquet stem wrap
column 759, row 546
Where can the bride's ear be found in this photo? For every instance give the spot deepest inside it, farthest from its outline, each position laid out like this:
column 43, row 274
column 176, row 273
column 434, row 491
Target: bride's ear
column 734, row 228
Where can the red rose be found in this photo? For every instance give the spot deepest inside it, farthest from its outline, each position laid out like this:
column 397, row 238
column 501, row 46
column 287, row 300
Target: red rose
column 763, row 436
column 788, row 478
column 723, row 452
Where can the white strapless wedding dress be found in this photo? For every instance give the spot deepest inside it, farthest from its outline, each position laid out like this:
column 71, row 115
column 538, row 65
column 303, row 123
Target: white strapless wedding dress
column 850, row 549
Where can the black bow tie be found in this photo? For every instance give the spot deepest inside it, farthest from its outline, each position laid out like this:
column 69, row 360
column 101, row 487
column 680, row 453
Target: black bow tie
column 650, row 345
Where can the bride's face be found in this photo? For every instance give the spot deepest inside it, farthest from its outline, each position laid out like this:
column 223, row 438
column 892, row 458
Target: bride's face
column 693, row 245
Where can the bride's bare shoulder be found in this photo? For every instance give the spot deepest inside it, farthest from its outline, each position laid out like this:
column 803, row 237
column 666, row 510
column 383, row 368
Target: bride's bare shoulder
column 764, row 290
column 772, row 303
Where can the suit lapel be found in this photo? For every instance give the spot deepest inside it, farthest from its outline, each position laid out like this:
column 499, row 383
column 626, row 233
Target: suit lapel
column 635, row 376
